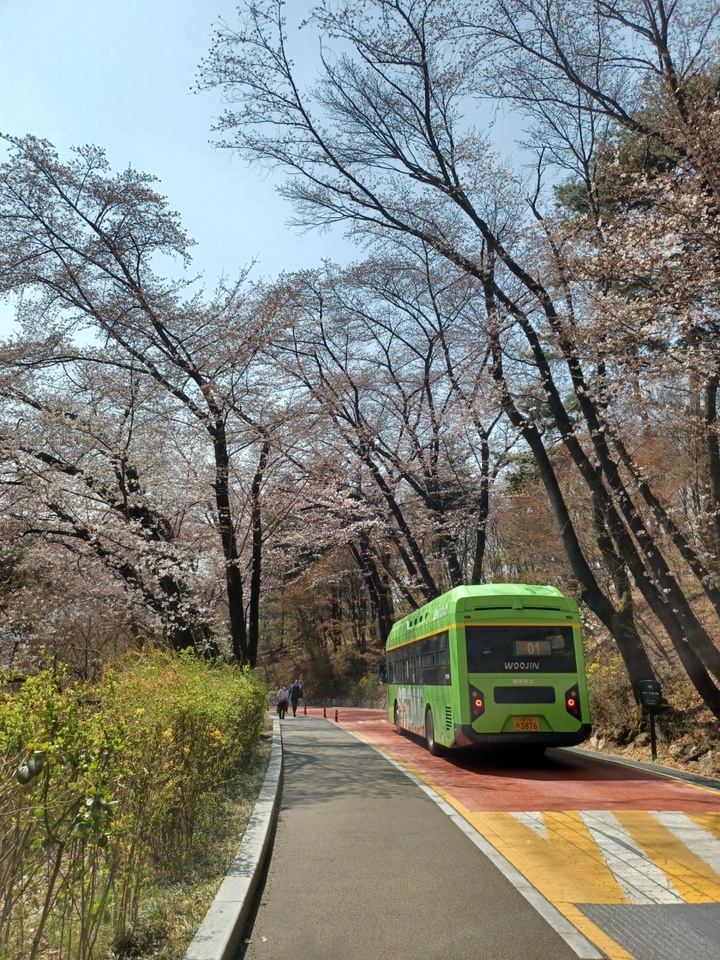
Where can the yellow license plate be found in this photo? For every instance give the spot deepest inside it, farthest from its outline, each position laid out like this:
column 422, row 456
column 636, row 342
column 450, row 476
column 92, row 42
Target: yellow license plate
column 526, row 724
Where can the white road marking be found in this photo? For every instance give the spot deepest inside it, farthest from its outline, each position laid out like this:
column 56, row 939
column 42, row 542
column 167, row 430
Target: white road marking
column 533, row 821
column 638, row 877
column 695, row 838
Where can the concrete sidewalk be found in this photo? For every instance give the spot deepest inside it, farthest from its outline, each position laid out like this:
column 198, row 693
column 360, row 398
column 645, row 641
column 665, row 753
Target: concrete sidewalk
column 365, row 865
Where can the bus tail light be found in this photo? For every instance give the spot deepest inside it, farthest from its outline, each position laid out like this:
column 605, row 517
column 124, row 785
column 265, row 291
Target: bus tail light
column 572, row 702
column 477, row 703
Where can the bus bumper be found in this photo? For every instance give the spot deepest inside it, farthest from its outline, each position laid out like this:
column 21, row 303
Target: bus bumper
column 465, row 736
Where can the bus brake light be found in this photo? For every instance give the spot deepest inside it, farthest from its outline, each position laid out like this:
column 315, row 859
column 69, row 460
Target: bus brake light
column 477, row 702
column 572, row 703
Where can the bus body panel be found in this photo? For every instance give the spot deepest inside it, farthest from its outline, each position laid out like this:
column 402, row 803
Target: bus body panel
column 516, row 649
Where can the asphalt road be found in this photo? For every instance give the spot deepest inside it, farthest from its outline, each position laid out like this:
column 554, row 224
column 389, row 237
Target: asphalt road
column 366, row 865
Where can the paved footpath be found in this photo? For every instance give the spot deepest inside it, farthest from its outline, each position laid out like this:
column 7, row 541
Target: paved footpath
column 365, row 866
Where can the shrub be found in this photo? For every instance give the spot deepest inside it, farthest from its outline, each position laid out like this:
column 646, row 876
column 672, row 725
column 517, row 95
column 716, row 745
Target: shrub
column 612, row 705
column 189, row 727
column 103, row 789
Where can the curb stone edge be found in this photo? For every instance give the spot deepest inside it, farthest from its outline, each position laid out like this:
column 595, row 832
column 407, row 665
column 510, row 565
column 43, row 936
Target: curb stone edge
column 218, row 936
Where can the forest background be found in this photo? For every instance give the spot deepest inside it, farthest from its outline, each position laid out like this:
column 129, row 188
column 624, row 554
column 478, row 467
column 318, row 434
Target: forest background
column 515, row 381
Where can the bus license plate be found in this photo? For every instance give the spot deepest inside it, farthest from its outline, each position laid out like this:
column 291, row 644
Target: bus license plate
column 526, row 724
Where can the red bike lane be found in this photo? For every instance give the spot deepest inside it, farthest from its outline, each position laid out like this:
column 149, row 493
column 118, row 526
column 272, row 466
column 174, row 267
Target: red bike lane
column 563, row 780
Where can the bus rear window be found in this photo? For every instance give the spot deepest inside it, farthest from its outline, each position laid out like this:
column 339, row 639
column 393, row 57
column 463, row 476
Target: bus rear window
column 515, row 649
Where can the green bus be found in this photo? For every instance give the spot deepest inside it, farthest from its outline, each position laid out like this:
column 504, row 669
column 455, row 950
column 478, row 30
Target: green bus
column 499, row 664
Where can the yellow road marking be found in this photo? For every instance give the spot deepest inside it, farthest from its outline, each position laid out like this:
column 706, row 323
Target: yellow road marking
column 567, row 867
column 594, row 934
column 708, row 821
column 693, row 879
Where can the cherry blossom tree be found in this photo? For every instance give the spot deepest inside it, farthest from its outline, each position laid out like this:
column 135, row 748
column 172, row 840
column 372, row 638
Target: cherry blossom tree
column 629, row 92
column 384, row 142
column 79, row 247
column 387, row 355
column 71, row 462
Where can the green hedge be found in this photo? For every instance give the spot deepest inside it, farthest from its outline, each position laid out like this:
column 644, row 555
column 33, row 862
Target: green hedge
column 103, row 791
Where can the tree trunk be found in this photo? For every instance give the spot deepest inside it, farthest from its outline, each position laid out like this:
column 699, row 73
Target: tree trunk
column 484, row 511
column 377, row 587
column 635, row 657
column 619, row 622
column 417, row 565
column 713, row 460
column 253, row 634
column 233, row 575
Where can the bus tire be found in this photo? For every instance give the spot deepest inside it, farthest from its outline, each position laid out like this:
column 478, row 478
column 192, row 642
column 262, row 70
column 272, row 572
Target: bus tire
column 434, row 748
column 398, row 729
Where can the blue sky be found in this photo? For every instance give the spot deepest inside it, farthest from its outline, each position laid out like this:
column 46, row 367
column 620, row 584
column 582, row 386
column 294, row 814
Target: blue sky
column 119, row 75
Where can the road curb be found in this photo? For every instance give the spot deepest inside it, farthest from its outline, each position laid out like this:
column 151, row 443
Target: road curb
column 697, row 779
column 219, row 935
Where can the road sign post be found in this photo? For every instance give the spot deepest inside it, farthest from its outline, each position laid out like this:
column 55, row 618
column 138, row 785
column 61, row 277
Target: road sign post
column 650, row 697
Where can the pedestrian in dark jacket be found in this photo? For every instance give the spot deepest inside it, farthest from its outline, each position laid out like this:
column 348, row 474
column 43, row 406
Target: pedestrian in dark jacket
column 296, row 692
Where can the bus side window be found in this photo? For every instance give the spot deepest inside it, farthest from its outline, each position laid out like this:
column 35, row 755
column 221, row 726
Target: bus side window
column 442, row 658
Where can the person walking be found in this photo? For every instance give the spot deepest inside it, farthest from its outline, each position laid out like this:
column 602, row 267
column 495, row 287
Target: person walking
column 296, row 692
column 282, row 697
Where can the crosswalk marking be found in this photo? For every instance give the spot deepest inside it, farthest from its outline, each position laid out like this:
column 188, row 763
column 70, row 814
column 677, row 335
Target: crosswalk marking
column 631, row 856
column 534, row 821
column 703, row 844
column 693, row 879
column 710, row 822
column 565, row 863
column 640, row 880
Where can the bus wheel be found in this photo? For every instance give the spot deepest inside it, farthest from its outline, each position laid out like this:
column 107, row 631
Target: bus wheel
column 398, row 729
column 433, row 746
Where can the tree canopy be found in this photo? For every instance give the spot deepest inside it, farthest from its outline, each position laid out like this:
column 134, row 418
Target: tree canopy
column 532, row 336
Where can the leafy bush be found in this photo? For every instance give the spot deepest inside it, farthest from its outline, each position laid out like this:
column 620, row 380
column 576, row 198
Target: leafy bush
column 104, row 789
column 612, row 706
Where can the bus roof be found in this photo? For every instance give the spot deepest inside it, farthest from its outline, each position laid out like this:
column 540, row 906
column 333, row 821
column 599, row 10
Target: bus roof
column 444, row 606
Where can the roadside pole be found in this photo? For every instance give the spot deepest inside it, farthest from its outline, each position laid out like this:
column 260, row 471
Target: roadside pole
column 650, row 697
